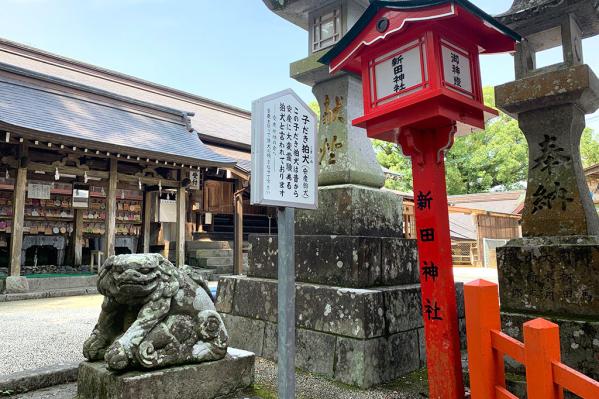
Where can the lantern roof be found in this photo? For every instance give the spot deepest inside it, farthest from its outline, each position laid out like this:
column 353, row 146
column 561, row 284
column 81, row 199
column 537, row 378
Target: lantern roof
column 490, row 35
column 533, row 16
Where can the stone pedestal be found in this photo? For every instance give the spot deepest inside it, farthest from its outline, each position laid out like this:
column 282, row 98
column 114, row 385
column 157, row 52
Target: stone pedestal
column 358, row 303
column 203, row 381
column 556, row 278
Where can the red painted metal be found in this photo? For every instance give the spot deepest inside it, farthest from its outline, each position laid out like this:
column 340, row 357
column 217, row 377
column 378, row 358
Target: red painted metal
column 422, row 118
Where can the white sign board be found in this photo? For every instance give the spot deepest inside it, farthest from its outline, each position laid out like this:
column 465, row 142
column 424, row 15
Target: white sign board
column 38, row 191
column 194, row 176
column 168, row 211
column 456, row 69
column 398, row 71
column 284, row 164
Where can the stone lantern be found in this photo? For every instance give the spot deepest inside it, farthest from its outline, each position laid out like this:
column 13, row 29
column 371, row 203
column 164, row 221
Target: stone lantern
column 346, row 156
column 554, row 269
column 550, row 104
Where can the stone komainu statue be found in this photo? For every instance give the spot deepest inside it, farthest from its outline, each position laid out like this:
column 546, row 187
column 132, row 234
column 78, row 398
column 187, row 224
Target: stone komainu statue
column 154, row 315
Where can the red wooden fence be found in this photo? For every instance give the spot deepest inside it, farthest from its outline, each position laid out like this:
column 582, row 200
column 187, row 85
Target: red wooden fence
column 546, row 376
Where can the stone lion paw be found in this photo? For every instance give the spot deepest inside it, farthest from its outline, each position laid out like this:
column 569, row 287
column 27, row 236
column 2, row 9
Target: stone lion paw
column 94, row 346
column 116, row 356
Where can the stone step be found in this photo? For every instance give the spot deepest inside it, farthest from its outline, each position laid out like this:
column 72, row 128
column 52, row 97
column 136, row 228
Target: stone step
column 224, row 269
column 215, row 261
column 212, row 253
column 195, row 245
column 216, row 277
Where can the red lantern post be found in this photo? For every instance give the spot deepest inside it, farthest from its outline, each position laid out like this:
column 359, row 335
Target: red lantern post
column 421, row 86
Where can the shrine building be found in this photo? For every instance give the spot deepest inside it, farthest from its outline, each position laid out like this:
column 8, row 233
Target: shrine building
column 95, row 162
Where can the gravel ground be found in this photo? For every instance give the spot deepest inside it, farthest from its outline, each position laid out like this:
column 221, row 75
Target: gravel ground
column 45, row 332
column 307, row 387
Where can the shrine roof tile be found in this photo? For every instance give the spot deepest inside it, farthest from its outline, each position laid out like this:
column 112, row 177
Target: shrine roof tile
column 74, row 114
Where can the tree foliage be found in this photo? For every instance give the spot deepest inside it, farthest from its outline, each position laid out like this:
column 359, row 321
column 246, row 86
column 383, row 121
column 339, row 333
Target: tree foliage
column 493, row 159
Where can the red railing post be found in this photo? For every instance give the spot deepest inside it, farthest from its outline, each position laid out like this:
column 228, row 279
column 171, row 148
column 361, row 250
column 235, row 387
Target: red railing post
column 541, row 345
column 482, row 316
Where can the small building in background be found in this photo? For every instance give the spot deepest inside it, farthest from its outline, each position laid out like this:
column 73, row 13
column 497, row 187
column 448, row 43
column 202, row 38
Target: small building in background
column 478, row 223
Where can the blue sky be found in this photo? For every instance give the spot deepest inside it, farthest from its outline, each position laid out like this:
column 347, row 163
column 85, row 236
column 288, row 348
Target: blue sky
column 232, row 51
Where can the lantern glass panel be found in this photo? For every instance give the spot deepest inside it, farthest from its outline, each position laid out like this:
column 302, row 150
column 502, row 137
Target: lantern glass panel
column 398, row 73
column 326, row 30
column 456, row 69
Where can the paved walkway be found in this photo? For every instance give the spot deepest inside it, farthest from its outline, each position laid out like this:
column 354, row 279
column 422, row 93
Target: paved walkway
column 44, row 332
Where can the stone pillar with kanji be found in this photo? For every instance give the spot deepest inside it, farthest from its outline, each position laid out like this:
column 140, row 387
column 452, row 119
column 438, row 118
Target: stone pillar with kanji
column 554, row 269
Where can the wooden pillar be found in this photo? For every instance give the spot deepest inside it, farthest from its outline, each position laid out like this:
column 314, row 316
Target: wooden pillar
column 147, row 221
column 181, row 200
column 78, row 237
column 16, row 241
column 238, row 225
column 110, row 237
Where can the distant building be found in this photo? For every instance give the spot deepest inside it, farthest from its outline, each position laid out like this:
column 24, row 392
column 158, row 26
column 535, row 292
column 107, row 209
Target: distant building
column 592, row 175
column 478, row 223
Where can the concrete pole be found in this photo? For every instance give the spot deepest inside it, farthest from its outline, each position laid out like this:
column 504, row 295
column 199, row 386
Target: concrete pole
column 286, row 303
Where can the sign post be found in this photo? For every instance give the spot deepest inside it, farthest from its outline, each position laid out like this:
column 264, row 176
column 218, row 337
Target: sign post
column 421, row 86
column 284, row 175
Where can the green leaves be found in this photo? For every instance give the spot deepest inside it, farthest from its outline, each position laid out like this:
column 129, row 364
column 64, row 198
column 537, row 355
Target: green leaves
column 496, row 158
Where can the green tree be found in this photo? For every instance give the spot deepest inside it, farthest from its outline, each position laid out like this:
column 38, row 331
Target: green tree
column 589, row 148
column 496, row 158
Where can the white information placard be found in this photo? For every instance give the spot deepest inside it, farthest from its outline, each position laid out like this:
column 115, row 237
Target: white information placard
column 284, row 164
column 456, row 68
column 38, row 191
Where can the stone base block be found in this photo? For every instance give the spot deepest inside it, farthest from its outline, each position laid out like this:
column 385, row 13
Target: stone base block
column 351, row 312
column 361, row 337
column 16, row 285
column 353, row 210
column 550, row 275
column 202, row 381
column 359, row 362
column 347, row 261
column 579, row 341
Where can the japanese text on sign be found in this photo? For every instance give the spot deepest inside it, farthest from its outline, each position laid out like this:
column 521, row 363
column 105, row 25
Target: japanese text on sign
column 397, row 72
column 456, row 68
column 284, row 154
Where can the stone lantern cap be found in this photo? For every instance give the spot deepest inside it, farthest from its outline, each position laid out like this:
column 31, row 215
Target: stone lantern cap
column 528, row 17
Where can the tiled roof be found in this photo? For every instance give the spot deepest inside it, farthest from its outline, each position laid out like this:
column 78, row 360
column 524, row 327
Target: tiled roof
column 243, row 158
column 74, row 114
column 214, row 121
column 502, row 202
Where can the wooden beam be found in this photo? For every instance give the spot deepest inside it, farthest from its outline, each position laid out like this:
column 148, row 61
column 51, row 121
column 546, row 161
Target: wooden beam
column 69, row 170
column 238, row 228
column 148, row 180
column 147, row 221
column 110, row 235
column 181, row 201
column 16, row 239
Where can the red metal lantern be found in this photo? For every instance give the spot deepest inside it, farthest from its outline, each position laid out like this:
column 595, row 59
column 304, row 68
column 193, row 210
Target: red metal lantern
column 419, row 62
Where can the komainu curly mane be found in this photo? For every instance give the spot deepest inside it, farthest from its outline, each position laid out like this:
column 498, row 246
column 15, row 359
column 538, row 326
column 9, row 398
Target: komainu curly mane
column 154, row 315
